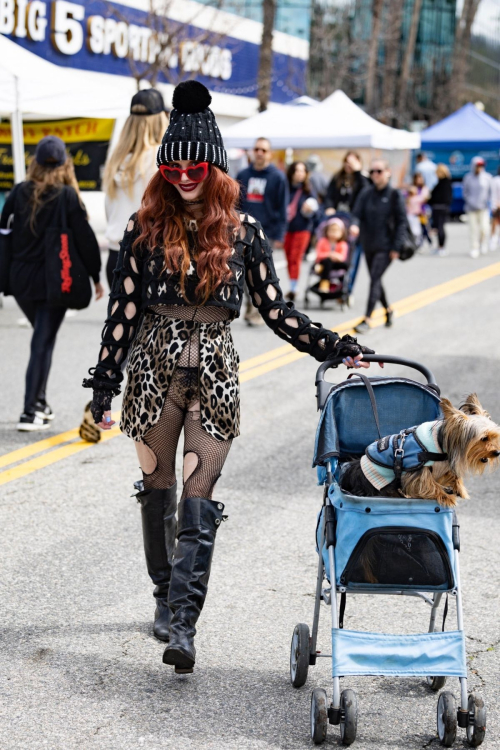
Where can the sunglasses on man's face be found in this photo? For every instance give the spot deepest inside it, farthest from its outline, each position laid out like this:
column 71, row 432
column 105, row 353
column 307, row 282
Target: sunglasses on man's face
column 263, row 150
column 194, row 173
column 377, row 171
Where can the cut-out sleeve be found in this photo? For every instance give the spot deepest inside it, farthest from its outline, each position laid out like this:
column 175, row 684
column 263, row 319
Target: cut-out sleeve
column 124, row 310
column 282, row 317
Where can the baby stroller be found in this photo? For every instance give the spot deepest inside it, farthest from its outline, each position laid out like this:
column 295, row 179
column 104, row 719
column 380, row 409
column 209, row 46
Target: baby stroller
column 417, row 554
column 341, row 281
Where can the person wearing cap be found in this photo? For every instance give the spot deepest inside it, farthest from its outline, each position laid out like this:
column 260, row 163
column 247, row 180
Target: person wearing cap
column 183, row 261
column 476, row 191
column 33, row 208
column 131, row 165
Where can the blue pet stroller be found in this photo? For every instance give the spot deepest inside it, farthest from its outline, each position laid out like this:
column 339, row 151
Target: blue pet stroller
column 377, row 545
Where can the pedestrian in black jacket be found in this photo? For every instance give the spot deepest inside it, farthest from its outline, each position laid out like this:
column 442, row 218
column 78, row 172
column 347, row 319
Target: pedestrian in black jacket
column 440, row 202
column 346, row 185
column 33, row 207
column 380, row 211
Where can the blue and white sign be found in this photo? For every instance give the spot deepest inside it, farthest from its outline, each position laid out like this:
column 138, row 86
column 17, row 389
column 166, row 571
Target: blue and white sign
column 109, row 37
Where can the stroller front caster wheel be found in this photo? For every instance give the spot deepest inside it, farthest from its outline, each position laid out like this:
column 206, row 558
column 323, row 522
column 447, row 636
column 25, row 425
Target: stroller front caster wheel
column 447, row 719
column 348, row 716
column 436, row 683
column 319, row 716
column 477, row 720
column 299, row 655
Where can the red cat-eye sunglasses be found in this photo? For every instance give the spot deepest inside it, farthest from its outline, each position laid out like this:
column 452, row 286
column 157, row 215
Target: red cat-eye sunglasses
column 195, row 173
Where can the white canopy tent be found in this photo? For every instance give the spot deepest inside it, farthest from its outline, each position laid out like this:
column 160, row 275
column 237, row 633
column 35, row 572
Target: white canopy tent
column 31, row 87
column 334, row 123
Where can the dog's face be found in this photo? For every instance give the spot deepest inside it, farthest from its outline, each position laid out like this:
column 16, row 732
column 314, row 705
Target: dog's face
column 470, row 437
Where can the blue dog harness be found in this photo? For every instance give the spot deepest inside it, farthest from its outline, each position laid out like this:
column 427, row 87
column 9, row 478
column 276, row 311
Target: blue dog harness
column 409, row 450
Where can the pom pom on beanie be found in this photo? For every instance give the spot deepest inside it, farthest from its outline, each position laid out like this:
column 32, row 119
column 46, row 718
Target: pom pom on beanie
column 191, row 97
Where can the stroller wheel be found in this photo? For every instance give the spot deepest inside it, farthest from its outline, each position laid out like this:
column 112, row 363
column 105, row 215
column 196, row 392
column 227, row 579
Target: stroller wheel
column 447, row 719
column 299, row 655
column 477, row 720
column 348, row 716
column 436, row 683
column 319, row 716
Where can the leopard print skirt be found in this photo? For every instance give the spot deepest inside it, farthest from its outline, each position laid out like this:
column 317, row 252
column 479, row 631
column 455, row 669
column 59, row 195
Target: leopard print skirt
column 153, row 358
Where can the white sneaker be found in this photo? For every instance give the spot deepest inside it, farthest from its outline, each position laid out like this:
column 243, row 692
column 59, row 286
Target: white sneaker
column 474, row 253
column 442, row 253
column 493, row 244
column 32, row 423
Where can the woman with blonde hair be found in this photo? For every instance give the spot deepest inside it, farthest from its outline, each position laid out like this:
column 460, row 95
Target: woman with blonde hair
column 440, row 202
column 33, row 209
column 131, row 166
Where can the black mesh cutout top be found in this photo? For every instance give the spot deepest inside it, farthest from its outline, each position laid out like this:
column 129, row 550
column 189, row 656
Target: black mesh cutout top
column 140, row 282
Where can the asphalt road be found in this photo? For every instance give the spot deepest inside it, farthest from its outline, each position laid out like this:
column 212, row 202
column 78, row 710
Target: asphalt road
column 79, row 665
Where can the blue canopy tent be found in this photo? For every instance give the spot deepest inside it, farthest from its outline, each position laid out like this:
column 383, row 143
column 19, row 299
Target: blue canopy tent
column 455, row 140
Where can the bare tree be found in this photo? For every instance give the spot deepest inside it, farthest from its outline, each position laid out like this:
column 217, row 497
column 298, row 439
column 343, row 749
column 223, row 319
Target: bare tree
column 377, row 9
column 392, row 45
column 173, row 50
column 460, row 52
column 265, row 76
column 335, row 52
column 404, row 79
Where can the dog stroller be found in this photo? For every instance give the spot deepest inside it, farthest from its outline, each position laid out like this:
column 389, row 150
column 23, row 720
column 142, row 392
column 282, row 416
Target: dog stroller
column 377, row 545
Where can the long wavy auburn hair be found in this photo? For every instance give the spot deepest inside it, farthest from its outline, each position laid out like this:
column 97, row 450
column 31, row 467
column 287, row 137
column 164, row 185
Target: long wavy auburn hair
column 161, row 221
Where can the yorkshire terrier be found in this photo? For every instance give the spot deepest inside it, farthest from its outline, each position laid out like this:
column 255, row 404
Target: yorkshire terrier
column 469, row 438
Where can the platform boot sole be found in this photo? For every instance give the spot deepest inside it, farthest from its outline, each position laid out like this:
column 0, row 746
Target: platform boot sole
column 182, row 662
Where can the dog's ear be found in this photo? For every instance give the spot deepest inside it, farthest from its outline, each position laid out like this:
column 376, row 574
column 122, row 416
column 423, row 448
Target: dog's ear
column 449, row 410
column 472, row 405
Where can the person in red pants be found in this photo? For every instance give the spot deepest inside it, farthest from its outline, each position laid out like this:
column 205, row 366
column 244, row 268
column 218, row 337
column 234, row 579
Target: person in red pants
column 300, row 215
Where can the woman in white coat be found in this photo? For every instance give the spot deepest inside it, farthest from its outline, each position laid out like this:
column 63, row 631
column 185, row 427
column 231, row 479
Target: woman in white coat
column 131, row 166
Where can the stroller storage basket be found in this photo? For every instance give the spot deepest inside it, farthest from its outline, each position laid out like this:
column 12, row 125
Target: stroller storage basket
column 360, row 653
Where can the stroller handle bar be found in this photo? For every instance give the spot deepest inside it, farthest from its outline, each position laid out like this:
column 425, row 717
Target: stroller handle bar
column 323, row 387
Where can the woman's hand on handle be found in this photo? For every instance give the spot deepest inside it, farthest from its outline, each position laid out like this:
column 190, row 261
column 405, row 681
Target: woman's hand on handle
column 351, row 352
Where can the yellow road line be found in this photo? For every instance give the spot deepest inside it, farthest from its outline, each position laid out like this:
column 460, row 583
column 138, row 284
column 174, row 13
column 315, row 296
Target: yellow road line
column 38, row 447
column 250, row 369
column 51, row 458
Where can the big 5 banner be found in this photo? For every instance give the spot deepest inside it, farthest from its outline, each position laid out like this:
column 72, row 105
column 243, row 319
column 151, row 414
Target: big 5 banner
column 86, row 140
column 114, row 37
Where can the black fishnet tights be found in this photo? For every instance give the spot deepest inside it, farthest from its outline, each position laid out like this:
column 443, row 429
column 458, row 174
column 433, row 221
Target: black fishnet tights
column 204, row 456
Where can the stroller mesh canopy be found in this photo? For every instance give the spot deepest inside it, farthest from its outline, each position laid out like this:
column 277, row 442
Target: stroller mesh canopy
column 347, row 423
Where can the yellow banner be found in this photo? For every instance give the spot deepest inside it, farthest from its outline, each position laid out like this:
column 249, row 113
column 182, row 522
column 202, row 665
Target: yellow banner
column 70, row 131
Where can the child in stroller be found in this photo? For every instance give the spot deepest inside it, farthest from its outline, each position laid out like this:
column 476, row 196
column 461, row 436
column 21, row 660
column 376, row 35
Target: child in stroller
column 331, row 264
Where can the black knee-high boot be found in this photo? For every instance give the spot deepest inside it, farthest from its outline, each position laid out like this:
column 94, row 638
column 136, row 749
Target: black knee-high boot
column 158, row 509
column 198, row 522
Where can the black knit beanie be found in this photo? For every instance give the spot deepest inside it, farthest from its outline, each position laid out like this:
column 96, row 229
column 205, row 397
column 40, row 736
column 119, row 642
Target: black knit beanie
column 192, row 132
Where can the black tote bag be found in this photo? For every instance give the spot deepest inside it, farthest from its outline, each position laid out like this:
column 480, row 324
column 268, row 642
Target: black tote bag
column 67, row 279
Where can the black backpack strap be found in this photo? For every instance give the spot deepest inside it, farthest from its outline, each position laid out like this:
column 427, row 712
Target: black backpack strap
column 371, row 394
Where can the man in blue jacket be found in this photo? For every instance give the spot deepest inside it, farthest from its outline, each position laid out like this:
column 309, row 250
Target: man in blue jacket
column 264, row 192
column 264, row 195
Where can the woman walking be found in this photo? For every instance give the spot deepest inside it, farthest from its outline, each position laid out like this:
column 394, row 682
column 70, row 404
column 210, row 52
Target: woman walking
column 35, row 207
column 131, row 166
column 346, row 185
column 301, row 209
column 182, row 265
column 440, row 202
